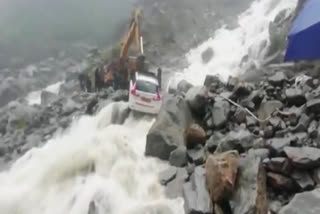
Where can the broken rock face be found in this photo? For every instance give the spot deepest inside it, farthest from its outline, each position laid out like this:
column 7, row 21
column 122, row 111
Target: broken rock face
column 303, row 158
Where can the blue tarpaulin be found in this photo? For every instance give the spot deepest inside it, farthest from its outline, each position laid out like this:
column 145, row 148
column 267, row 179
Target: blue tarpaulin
column 304, row 37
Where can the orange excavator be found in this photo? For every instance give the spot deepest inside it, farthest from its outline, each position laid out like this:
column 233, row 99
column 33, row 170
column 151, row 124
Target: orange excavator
column 126, row 66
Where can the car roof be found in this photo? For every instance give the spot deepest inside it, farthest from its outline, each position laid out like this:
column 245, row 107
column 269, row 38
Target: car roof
column 147, row 77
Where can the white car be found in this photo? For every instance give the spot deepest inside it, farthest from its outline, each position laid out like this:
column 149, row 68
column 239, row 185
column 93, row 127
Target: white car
column 145, row 93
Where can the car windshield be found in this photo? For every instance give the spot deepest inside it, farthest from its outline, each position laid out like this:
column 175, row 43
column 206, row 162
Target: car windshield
column 147, row 86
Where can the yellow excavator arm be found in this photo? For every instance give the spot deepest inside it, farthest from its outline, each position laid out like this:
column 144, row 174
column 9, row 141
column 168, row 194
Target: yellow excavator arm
column 133, row 35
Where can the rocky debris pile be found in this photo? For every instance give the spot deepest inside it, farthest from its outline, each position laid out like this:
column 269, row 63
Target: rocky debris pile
column 23, row 126
column 17, row 83
column 274, row 127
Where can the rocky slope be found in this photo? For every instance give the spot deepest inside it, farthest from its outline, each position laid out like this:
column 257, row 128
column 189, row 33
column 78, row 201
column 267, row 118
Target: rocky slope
column 273, row 125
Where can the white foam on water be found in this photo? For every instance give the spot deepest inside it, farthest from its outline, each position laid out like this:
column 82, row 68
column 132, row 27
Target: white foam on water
column 230, row 46
column 57, row 178
column 35, row 96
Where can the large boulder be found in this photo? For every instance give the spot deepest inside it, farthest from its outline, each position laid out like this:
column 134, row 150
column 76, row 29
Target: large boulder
column 241, row 140
column 306, row 203
column 268, row 107
column 168, row 131
column 278, row 79
column 196, row 97
column 250, row 195
column 295, row 97
column 220, row 113
column 195, row 194
column 221, row 173
column 178, row 157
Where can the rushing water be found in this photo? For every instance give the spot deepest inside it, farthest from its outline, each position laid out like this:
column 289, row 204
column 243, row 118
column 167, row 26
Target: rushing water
column 99, row 163
column 230, row 46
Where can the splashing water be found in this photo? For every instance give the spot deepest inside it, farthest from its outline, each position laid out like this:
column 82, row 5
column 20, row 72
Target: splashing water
column 35, row 96
column 230, row 46
column 94, row 162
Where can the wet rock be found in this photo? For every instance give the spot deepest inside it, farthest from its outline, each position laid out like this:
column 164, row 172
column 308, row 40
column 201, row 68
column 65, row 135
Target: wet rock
column 250, row 195
column 302, row 125
column 262, row 153
column 220, row 113
column 313, row 106
column 281, row 183
column 275, row 206
column 196, row 97
column 240, row 116
column 295, row 97
column 184, row 86
column 213, row 142
column 268, row 107
column 306, row 203
column 241, row 141
column 174, row 188
column 278, row 79
column 251, row 121
column 3, row 150
column 70, row 107
column 195, row 135
column 313, row 129
column 316, row 175
column 178, row 157
column 278, row 165
column 120, row 95
column 207, row 55
column 277, row 145
column 195, row 194
column 48, row 97
column 221, row 173
column 268, row 132
column 168, row 175
column 168, row 131
column 303, row 179
column 196, row 155
column 303, row 158
column 212, row 82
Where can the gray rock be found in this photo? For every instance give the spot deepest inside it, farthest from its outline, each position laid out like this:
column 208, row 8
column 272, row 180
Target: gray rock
column 278, row 79
column 250, row 195
column 295, row 97
column 268, row 107
column 302, row 125
column 278, row 165
column 277, row 145
column 212, row 82
column 275, row 206
column 281, row 183
column 70, row 107
column 195, row 194
column 213, row 142
column 306, row 203
column 207, row 55
column 255, row 97
column 196, row 156
column 240, row 116
column 316, row 175
column 220, row 113
column 241, row 140
column 174, row 188
column 313, row 106
column 167, row 133
column 268, row 132
column 120, row 95
column 168, row 175
column 313, row 129
column 262, row 153
column 196, row 97
column 303, row 158
column 178, row 157
column 184, row 86
column 303, row 179
column 48, row 98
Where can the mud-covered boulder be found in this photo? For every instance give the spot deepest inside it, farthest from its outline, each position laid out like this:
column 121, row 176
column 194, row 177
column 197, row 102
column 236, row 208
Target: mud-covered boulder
column 168, row 131
column 306, row 203
column 195, row 135
column 221, row 173
column 250, row 195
